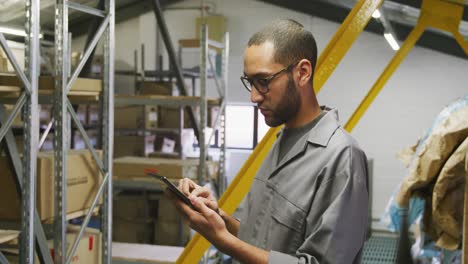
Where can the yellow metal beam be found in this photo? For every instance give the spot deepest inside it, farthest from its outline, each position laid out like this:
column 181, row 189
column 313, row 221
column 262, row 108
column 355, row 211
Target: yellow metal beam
column 348, row 32
column 434, row 13
column 337, row 48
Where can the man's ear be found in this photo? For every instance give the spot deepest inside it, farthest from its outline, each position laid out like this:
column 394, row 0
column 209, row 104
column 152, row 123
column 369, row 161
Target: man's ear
column 305, row 70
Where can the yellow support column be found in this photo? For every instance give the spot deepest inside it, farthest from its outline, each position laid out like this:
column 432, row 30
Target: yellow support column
column 326, row 63
column 438, row 14
column 344, row 37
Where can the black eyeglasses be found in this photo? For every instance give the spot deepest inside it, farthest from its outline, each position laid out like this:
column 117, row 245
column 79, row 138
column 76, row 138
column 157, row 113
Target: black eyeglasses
column 261, row 84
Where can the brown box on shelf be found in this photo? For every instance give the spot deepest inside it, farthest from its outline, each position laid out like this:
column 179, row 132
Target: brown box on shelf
column 156, row 88
column 133, row 167
column 17, row 122
column 169, row 117
column 133, row 145
column 167, row 211
column 83, row 179
column 169, row 233
column 48, row 83
column 216, row 27
column 87, row 252
column 45, row 115
column 89, row 247
column 3, row 64
column 136, row 116
column 133, row 218
column 170, row 229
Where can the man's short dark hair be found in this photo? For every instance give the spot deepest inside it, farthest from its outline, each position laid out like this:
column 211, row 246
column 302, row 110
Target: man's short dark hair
column 291, row 41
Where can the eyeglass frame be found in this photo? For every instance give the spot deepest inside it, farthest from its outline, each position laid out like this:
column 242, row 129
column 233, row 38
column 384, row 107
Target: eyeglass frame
column 267, row 79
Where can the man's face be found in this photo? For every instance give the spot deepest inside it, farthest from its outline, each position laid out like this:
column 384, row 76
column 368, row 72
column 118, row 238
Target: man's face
column 282, row 102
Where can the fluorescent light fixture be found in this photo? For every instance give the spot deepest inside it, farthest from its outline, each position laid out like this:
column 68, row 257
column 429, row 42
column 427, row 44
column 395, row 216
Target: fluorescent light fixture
column 376, row 14
column 14, row 31
column 391, row 40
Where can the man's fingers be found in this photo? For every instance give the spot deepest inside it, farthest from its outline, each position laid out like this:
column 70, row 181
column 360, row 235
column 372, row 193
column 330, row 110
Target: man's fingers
column 201, row 207
column 201, row 192
column 186, row 186
column 213, row 205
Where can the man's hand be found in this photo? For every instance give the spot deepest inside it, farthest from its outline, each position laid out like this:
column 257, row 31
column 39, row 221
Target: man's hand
column 193, row 190
column 203, row 219
column 207, row 221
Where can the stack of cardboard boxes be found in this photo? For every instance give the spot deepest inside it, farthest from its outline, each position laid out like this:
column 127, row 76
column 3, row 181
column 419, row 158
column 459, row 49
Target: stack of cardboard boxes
column 148, row 219
column 87, row 252
column 133, row 123
column 175, row 169
column 130, row 123
column 83, row 179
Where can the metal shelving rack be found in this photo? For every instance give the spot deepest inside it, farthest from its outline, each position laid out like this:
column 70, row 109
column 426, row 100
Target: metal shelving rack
column 62, row 106
column 32, row 230
column 190, row 101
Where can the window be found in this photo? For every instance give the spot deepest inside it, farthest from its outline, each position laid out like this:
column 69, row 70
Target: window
column 262, row 128
column 245, row 126
column 239, row 126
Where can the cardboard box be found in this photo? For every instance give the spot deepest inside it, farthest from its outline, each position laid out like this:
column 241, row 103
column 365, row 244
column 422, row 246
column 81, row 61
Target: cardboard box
column 136, row 116
column 133, row 145
column 167, row 211
column 171, row 233
column 157, row 88
column 45, row 115
column 131, row 167
column 88, row 250
column 133, row 218
column 83, row 179
column 169, row 117
column 3, row 64
column 48, row 83
column 19, row 139
column 18, row 121
column 216, row 27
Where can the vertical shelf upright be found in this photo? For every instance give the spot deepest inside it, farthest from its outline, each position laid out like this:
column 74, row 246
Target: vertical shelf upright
column 222, row 116
column 203, row 102
column 31, row 131
column 28, row 103
column 62, row 107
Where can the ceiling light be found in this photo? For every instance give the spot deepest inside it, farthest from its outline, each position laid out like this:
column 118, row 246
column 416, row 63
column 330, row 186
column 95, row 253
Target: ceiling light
column 391, row 40
column 14, row 31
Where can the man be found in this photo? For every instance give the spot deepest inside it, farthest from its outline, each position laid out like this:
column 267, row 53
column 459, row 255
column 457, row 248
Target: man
column 309, row 200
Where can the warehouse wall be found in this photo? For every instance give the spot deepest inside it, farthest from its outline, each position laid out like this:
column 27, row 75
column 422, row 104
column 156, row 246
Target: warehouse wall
column 419, row 89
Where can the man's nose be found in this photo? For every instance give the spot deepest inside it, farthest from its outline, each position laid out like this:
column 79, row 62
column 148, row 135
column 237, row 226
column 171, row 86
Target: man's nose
column 255, row 96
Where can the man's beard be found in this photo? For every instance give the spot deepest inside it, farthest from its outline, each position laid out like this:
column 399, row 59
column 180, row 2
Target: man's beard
column 287, row 108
